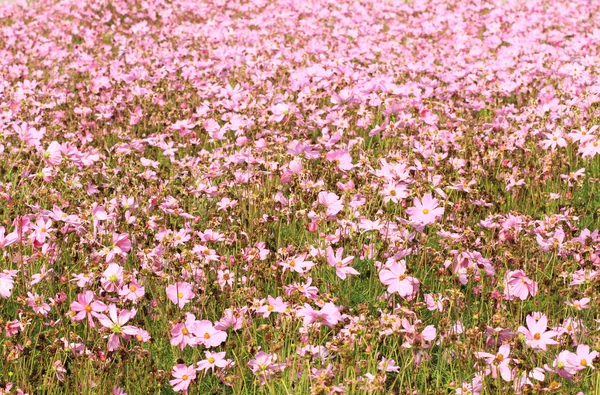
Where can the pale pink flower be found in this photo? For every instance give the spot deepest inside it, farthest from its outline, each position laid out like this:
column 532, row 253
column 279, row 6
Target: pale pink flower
column 517, row 284
column 132, row 292
column 331, row 201
column 273, row 305
column 394, row 276
column 535, row 333
column 207, row 334
column 499, row 362
column 425, row 211
column 341, row 158
column 183, row 377
column 116, row 321
column 180, row 293
column 341, row 265
column 7, row 282
column 297, row 264
column 212, row 360
column 112, row 277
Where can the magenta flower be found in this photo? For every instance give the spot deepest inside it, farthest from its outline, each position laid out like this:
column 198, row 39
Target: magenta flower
column 535, row 333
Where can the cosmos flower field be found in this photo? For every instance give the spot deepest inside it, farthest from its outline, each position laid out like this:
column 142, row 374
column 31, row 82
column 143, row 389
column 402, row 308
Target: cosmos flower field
column 299, row 197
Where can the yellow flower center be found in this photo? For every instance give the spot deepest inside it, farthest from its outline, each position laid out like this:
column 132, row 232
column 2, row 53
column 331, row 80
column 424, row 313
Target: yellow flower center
column 270, row 308
column 402, row 277
column 185, row 332
column 211, row 360
column 132, row 288
column 184, row 377
column 537, row 336
column 583, row 363
column 88, row 308
column 179, row 295
column 425, row 211
column 292, row 263
column 207, row 335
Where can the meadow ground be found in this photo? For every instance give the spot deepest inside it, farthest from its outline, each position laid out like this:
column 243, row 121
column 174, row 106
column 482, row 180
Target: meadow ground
column 299, row 197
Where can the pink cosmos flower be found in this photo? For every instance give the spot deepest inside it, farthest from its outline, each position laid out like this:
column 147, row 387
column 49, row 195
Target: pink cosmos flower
column 535, row 333
column 263, row 365
column 499, row 362
column 554, row 139
column 394, row 192
column 85, row 306
column 53, row 155
column 394, row 276
column 6, row 240
column 212, row 360
column 180, row 293
column 435, row 302
column 583, row 358
column 341, row 158
column 112, row 277
column 7, row 282
column 208, row 335
column 182, row 334
column 132, row 292
column 116, row 321
column 341, row 265
column 273, row 305
column 297, row 264
column 183, row 377
column 517, row 284
column 331, row 201
column 42, row 229
column 580, row 304
column 121, row 245
column 328, row 315
column 425, row 211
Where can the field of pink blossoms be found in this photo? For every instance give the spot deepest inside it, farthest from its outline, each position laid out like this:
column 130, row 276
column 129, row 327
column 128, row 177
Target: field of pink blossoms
column 300, row 197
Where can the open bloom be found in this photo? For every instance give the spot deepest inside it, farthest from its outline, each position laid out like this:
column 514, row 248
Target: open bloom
column 517, row 284
column 395, row 277
column 7, row 282
column 426, row 210
column 180, row 293
column 536, row 335
column 183, row 377
column 341, row 265
column 85, row 306
column 116, row 323
column 213, row 359
column 499, row 362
